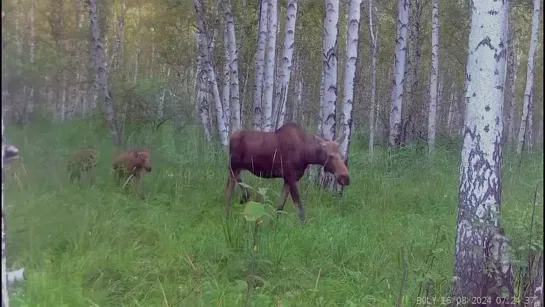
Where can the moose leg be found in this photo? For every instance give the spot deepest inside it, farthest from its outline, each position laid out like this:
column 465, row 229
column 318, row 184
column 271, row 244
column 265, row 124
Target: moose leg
column 296, row 197
column 245, row 197
column 283, row 198
column 231, row 182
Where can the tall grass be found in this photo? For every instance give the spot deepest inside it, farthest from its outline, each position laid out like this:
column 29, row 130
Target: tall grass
column 85, row 245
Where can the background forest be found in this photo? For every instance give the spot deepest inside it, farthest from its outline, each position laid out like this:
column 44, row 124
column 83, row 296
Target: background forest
column 177, row 76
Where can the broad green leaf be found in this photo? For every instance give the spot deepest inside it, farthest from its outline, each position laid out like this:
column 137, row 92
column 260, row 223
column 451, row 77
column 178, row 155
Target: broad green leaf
column 240, row 285
column 253, row 211
column 262, row 191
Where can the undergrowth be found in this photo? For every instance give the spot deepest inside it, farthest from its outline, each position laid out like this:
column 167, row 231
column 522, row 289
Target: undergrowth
column 390, row 236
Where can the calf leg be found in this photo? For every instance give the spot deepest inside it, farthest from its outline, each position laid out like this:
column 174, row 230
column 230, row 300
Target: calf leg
column 296, row 197
column 138, row 181
column 283, row 198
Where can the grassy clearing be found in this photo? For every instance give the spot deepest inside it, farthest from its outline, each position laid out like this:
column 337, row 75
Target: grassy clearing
column 96, row 246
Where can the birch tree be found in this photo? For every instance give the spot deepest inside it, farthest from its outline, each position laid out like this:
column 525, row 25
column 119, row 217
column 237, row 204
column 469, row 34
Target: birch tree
column 202, row 95
column 5, row 295
column 287, row 63
column 269, row 69
column 101, row 76
column 399, row 72
column 512, row 68
column 482, row 266
column 433, row 82
column 4, row 282
column 373, row 31
column 234, row 92
column 530, row 76
column 202, row 45
column 29, row 107
column 226, row 85
column 330, row 43
column 353, row 21
column 260, row 64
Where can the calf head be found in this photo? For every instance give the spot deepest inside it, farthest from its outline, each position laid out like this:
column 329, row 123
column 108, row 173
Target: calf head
column 142, row 159
column 334, row 160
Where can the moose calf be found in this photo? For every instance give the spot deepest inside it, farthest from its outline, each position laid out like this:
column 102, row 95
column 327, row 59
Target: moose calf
column 130, row 164
column 83, row 161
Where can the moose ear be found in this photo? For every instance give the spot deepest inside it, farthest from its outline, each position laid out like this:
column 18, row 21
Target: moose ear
column 319, row 140
column 136, row 154
column 341, row 138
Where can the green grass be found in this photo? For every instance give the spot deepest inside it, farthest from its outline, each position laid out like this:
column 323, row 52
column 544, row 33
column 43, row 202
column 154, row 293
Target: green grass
column 87, row 245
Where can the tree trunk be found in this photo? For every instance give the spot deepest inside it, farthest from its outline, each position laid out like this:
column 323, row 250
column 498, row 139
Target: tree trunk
column 101, row 82
column 138, row 37
column 269, row 69
column 482, row 267
column 260, row 64
column 233, row 65
column 512, row 66
column 530, row 76
column 202, row 95
column 399, row 73
column 433, row 82
column 530, row 124
column 226, row 82
column 120, row 40
column 330, row 47
column 353, row 21
column 373, row 31
column 202, row 43
column 287, row 64
column 29, row 112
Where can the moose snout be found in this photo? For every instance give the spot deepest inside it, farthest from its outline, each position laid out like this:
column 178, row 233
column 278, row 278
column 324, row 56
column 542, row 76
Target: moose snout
column 343, row 180
column 148, row 169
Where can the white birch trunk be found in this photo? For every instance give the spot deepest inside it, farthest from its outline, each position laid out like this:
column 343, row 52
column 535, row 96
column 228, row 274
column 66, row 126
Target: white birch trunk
column 260, row 64
column 4, row 282
column 32, row 47
column 530, row 129
column 433, row 82
column 202, row 95
column 233, row 65
column 5, row 294
column 138, row 42
column 161, row 100
column 482, row 265
column 120, row 39
column 373, row 31
column 330, row 48
column 451, row 110
column 530, row 76
column 287, row 63
column 226, row 82
column 399, row 73
column 513, row 67
column 298, row 103
column 353, row 21
column 269, row 69
column 101, row 82
column 202, row 43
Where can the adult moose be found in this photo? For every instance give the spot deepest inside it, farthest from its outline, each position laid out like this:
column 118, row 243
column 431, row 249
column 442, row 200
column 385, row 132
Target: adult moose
column 284, row 153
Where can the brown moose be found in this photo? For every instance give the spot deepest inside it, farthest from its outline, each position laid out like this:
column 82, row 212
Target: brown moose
column 83, row 161
column 284, row 153
column 130, row 165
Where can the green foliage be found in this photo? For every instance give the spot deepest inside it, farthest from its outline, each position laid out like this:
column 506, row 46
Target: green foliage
column 96, row 245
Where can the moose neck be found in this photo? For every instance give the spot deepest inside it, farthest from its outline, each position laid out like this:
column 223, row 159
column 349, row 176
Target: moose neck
column 316, row 154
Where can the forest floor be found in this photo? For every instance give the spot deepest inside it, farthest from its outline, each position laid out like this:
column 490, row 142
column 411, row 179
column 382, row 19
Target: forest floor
column 94, row 245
